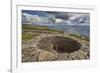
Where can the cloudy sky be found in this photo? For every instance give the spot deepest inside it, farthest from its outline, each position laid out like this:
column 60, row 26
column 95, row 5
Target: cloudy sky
column 58, row 17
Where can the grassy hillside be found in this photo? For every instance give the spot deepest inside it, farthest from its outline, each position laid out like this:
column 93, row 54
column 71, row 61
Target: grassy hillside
column 41, row 28
column 29, row 28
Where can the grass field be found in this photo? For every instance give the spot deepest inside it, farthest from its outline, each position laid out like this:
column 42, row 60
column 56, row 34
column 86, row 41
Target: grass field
column 29, row 28
column 41, row 28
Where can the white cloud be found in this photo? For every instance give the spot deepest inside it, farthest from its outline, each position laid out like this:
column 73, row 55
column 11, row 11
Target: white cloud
column 74, row 19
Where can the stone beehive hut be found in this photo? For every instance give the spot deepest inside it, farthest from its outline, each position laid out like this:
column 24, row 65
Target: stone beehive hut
column 56, row 48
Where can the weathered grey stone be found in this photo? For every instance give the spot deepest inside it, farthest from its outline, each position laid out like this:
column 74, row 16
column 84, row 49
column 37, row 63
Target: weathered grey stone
column 46, row 56
column 79, row 55
column 64, row 56
column 83, row 52
column 44, row 48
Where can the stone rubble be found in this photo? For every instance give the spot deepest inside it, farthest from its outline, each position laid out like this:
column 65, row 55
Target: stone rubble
column 31, row 52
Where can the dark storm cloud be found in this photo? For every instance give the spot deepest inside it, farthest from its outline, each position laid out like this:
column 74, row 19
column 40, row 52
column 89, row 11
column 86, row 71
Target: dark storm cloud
column 61, row 15
column 66, row 15
column 39, row 13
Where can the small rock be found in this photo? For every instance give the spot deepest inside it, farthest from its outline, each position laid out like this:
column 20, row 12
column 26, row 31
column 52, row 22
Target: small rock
column 46, row 56
column 32, row 53
column 83, row 52
column 80, row 55
column 65, row 56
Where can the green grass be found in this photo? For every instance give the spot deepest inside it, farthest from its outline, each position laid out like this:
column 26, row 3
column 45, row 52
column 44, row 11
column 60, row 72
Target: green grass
column 44, row 29
column 26, row 27
column 26, row 37
column 41, row 28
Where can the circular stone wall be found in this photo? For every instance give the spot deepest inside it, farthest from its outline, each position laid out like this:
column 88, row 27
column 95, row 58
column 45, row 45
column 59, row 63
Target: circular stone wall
column 59, row 44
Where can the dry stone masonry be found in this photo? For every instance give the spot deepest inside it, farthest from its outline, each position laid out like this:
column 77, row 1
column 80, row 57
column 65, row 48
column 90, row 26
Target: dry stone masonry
column 55, row 47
